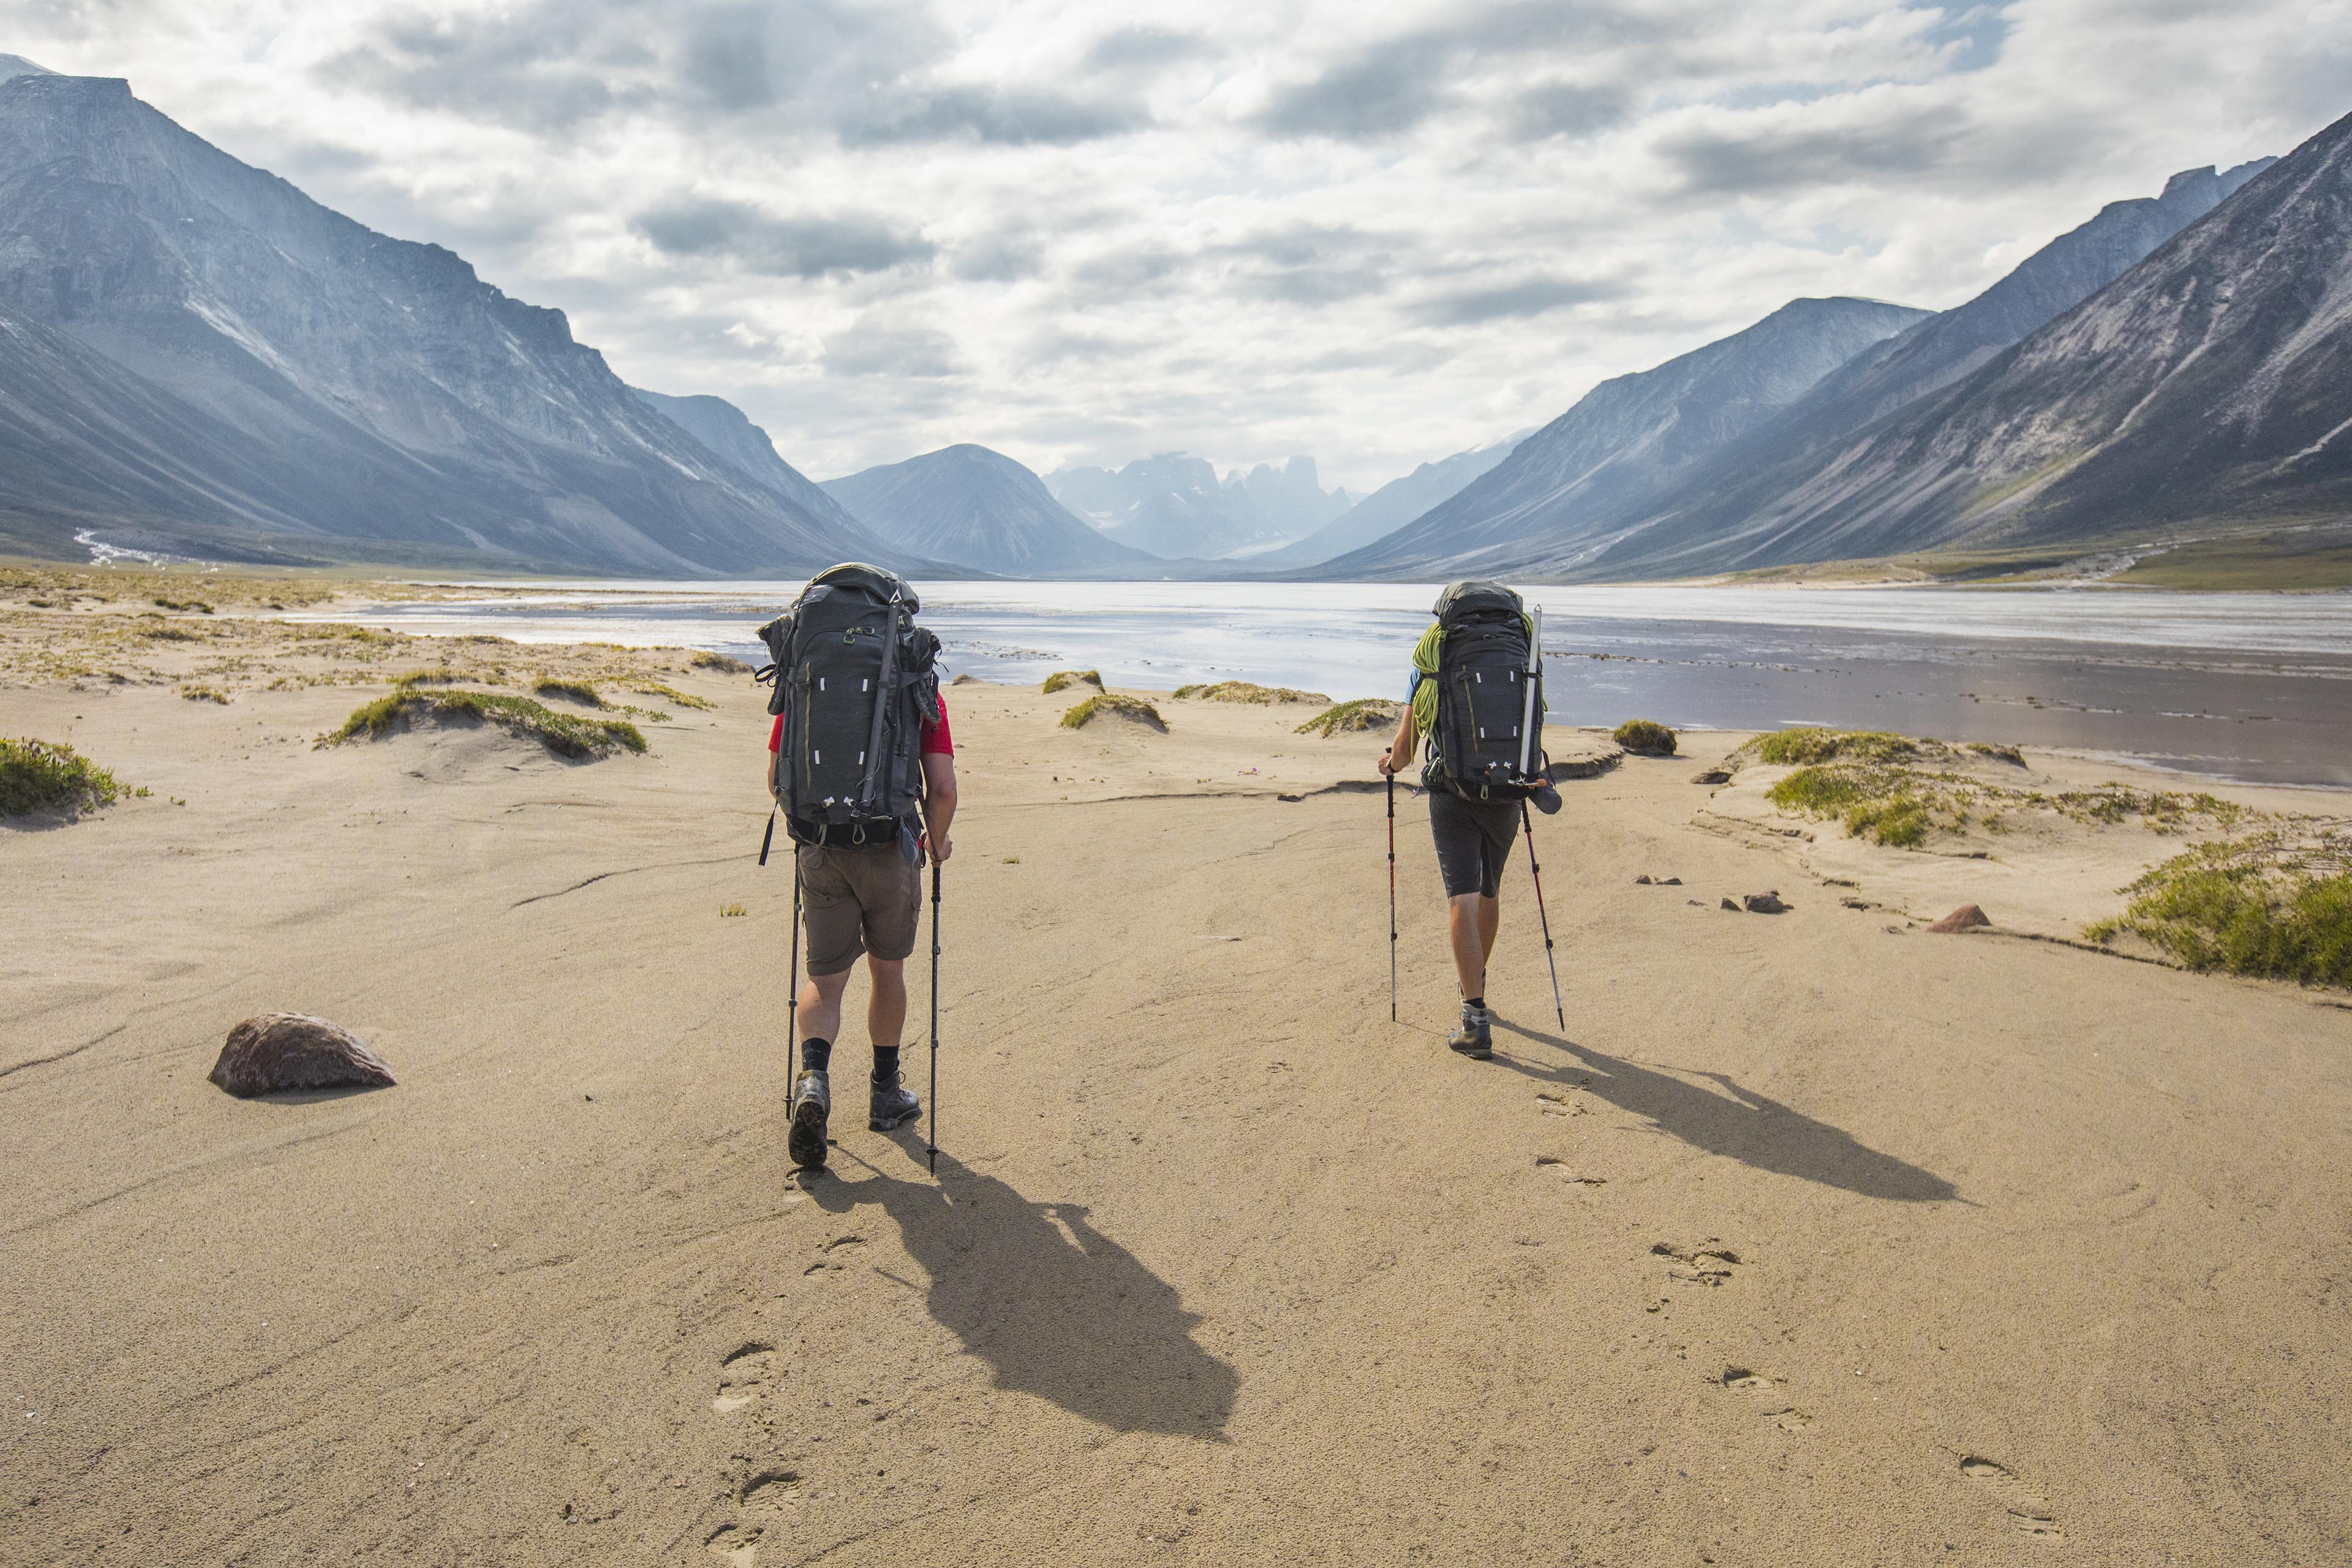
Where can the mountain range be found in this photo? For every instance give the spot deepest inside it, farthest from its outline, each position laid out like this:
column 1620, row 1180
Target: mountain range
column 199, row 359
column 980, row 508
column 1173, row 506
column 1589, row 497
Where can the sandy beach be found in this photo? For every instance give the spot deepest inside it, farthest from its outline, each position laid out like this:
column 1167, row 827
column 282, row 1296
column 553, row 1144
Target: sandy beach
column 1813, row 1238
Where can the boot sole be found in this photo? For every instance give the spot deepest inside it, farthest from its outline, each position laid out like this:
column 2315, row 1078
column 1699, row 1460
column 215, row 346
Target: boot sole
column 807, row 1143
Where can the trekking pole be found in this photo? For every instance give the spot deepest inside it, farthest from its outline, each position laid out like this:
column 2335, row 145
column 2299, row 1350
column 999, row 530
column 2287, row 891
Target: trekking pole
column 1392, row 1015
column 1537, row 872
column 793, row 974
column 934, row 1151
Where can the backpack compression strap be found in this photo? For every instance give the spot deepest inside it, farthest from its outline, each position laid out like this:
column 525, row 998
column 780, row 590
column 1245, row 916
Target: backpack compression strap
column 885, row 686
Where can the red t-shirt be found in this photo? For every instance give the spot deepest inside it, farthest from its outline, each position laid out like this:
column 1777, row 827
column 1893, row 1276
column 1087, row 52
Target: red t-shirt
column 937, row 739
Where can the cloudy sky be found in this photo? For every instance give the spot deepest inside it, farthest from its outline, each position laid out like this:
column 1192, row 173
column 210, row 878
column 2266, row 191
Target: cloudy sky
column 1373, row 232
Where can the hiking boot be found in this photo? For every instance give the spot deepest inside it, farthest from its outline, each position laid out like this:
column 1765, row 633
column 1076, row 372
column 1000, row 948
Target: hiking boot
column 1475, row 1038
column 811, row 1105
column 891, row 1104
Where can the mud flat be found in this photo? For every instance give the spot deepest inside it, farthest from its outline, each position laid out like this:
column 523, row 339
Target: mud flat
column 1813, row 1238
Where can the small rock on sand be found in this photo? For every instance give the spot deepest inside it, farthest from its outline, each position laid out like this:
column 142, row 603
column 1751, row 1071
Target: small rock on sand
column 1765, row 903
column 1731, row 904
column 274, row 1051
column 1711, row 777
column 1968, row 917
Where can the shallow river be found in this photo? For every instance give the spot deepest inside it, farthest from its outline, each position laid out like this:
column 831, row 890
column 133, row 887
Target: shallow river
column 2250, row 685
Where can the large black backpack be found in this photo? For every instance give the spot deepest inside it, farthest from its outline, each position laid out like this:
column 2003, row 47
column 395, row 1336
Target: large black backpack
column 1489, row 735
column 853, row 680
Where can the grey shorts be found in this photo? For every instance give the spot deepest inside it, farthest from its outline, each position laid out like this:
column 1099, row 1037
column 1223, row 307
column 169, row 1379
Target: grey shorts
column 857, row 900
column 1474, row 841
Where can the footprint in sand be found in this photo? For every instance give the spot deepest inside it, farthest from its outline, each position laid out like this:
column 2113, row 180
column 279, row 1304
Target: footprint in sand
column 742, row 1375
column 1787, row 1417
column 1708, row 1262
column 770, row 1489
column 735, row 1544
column 2027, row 1510
column 1557, row 1102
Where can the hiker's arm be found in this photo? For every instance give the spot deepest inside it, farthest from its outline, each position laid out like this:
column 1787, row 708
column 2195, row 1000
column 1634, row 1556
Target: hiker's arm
column 938, row 802
column 1399, row 756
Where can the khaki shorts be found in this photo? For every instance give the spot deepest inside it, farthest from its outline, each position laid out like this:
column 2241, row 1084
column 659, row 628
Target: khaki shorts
column 857, row 900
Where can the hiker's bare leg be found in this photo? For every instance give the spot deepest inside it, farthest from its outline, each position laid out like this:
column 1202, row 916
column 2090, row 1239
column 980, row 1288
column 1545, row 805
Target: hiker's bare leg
column 1470, row 929
column 821, row 1006
column 886, row 1010
column 1490, row 919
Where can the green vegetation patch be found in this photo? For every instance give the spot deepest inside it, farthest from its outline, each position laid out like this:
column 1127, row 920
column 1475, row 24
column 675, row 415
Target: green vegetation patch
column 1645, row 738
column 38, row 775
column 562, row 733
column 1353, row 716
column 575, row 691
column 198, row 606
column 1246, row 691
column 671, row 694
column 2277, row 905
column 1063, row 679
column 439, row 675
column 195, row 693
column 705, row 659
column 1797, row 748
column 1134, row 708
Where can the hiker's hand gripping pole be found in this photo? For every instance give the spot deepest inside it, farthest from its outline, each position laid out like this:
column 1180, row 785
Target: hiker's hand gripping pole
column 1393, row 934
column 1537, row 872
column 933, row 1152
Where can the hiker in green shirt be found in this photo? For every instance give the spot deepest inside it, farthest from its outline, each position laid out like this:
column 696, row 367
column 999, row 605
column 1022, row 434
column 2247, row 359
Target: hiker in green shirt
column 1474, row 841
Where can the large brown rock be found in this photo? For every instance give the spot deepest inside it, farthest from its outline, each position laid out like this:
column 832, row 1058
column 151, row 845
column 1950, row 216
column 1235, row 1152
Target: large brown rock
column 1968, row 917
column 274, row 1051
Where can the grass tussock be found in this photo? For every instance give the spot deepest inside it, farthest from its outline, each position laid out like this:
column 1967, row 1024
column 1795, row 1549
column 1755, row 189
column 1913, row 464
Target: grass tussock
column 195, row 693
column 1118, row 706
column 1063, row 679
column 571, row 690
column 705, row 659
column 438, row 674
column 38, row 775
column 1353, row 716
column 562, row 733
column 2277, row 906
column 671, row 694
column 197, row 605
column 1644, row 738
column 1801, row 747
column 1246, row 691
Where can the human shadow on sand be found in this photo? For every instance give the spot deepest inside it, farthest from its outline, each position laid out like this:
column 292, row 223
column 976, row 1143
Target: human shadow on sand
column 1055, row 1308
column 1747, row 1127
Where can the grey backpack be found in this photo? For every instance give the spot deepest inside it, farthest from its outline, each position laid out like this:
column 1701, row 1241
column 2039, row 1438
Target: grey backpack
column 854, row 679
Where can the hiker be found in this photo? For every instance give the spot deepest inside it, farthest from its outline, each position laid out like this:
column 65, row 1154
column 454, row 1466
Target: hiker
column 1477, row 695
column 862, row 765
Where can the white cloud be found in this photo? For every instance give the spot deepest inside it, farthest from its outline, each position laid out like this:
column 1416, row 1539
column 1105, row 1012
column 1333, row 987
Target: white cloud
column 1376, row 232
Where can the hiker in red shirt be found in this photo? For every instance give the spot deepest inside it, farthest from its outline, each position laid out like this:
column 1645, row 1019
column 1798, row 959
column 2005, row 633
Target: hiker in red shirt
column 862, row 894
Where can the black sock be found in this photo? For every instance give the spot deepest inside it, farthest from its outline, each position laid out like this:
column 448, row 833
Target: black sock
column 886, row 1064
column 815, row 1055
column 1477, row 1000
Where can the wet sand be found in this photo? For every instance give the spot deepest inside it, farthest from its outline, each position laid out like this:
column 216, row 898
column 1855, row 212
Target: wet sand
column 1810, row 1238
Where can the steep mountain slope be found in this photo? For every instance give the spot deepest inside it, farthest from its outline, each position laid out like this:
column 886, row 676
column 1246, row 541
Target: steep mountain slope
column 1629, row 439
column 1392, row 506
column 980, row 508
column 401, row 407
column 727, row 434
column 2210, row 385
